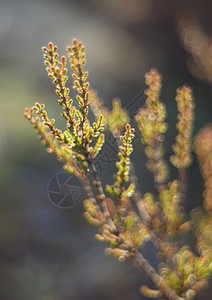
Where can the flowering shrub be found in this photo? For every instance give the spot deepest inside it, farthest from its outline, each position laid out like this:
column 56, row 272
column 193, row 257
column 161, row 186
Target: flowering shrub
column 125, row 218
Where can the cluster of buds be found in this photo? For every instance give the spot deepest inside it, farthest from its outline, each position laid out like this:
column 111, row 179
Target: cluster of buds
column 182, row 149
column 118, row 189
column 151, row 122
column 190, row 274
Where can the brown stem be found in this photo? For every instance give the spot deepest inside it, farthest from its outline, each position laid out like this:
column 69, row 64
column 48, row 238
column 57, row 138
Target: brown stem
column 101, row 196
column 183, row 187
column 88, row 189
column 142, row 264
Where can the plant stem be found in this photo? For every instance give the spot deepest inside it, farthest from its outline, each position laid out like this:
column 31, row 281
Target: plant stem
column 142, row 264
column 101, row 196
column 183, row 187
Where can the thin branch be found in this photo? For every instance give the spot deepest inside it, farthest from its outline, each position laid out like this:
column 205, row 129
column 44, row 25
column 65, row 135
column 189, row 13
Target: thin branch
column 183, row 188
column 101, row 196
column 142, row 264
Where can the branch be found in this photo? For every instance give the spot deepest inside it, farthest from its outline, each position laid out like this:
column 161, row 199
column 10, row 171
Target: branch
column 142, row 264
column 101, row 196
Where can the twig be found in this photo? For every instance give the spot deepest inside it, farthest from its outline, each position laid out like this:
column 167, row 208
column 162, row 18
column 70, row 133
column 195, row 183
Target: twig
column 183, row 187
column 101, row 196
column 142, row 264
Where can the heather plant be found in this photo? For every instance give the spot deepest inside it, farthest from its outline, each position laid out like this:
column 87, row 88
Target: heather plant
column 125, row 218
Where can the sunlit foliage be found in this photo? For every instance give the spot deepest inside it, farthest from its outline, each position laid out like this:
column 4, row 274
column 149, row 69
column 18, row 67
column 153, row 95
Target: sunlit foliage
column 125, row 218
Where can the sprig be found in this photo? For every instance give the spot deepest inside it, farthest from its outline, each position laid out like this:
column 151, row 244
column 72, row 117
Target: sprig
column 158, row 217
column 122, row 176
column 182, row 148
column 151, row 122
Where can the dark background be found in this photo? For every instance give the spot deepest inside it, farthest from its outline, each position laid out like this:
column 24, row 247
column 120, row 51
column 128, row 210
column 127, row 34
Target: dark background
column 49, row 253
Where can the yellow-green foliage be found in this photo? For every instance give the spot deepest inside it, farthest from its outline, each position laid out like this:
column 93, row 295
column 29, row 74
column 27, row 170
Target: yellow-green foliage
column 169, row 198
column 125, row 218
column 182, row 148
column 151, row 122
column 116, row 119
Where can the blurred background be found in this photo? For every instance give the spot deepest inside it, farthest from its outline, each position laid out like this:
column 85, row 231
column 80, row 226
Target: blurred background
column 50, row 253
